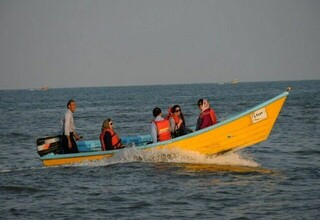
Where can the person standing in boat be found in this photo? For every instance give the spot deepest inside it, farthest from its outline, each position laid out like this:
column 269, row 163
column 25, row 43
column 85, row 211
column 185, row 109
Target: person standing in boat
column 160, row 127
column 108, row 138
column 207, row 116
column 177, row 121
column 69, row 135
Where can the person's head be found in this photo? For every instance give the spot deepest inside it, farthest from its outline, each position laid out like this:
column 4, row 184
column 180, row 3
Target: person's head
column 203, row 104
column 176, row 109
column 71, row 105
column 107, row 124
column 156, row 111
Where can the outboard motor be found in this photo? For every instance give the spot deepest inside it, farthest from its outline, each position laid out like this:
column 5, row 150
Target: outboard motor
column 50, row 144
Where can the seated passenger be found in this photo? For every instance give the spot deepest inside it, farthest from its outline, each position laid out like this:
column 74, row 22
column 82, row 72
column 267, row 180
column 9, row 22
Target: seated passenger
column 108, row 137
column 207, row 116
column 160, row 127
column 177, row 122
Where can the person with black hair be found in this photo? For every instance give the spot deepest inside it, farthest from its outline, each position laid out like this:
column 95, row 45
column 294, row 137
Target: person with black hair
column 207, row 116
column 69, row 135
column 177, row 121
column 160, row 127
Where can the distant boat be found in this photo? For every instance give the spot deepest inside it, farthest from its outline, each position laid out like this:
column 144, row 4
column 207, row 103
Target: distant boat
column 44, row 88
column 235, row 81
column 236, row 132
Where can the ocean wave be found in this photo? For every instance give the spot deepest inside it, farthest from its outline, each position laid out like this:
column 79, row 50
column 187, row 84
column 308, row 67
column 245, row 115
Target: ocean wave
column 19, row 189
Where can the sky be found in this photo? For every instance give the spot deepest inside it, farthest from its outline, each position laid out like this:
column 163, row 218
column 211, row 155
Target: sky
column 81, row 43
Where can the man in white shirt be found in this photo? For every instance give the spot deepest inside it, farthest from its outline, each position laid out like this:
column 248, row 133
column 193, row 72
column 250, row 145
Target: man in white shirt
column 69, row 130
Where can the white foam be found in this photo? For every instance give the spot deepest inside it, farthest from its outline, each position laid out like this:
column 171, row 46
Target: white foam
column 174, row 155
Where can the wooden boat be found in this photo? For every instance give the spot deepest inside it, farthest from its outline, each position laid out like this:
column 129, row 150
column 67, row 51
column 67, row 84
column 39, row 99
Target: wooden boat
column 237, row 132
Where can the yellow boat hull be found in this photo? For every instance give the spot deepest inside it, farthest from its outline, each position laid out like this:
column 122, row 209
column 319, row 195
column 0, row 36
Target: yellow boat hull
column 74, row 160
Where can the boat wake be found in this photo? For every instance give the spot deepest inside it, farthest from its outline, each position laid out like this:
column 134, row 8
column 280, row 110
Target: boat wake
column 174, row 155
column 191, row 159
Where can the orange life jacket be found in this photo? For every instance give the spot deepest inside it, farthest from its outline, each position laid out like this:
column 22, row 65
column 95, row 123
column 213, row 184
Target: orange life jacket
column 163, row 130
column 175, row 117
column 115, row 140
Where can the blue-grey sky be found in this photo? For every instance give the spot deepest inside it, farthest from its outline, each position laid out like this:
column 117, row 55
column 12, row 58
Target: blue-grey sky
column 81, row 43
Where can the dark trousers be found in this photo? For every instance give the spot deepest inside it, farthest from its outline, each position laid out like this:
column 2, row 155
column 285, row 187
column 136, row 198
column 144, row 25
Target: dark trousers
column 66, row 149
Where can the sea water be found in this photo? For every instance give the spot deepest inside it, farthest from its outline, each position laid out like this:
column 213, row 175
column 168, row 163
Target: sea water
column 275, row 179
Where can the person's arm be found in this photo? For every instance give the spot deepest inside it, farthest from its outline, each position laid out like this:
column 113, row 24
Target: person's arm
column 107, row 141
column 67, row 119
column 67, row 128
column 179, row 124
column 77, row 137
column 213, row 116
column 199, row 122
column 154, row 134
column 172, row 125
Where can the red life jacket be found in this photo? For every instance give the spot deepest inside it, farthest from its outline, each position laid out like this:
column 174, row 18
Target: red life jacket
column 212, row 115
column 175, row 117
column 163, row 130
column 115, row 140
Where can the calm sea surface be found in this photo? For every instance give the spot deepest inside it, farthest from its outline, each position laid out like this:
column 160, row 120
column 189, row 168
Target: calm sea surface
column 276, row 179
